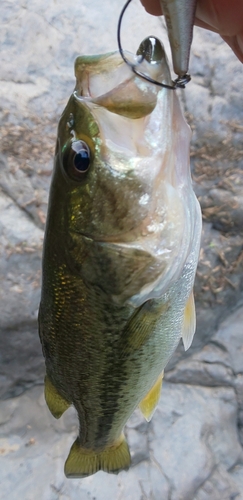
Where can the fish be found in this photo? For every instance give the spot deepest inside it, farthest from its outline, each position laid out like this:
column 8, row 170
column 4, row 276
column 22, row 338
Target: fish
column 121, row 247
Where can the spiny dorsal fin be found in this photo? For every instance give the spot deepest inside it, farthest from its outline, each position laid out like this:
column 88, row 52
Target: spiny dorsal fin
column 149, row 404
column 189, row 324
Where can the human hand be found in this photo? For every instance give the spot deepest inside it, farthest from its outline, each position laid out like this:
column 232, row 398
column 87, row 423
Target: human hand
column 221, row 16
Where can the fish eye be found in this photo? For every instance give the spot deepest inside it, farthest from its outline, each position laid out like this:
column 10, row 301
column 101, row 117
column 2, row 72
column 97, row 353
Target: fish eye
column 76, row 159
column 81, row 158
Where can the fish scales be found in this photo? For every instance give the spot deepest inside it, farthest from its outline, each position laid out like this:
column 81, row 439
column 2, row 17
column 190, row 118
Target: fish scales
column 120, row 254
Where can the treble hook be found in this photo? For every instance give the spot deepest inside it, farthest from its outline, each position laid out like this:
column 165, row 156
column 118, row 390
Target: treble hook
column 180, row 82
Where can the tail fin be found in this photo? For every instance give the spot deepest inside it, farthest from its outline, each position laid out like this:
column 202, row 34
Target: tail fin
column 82, row 462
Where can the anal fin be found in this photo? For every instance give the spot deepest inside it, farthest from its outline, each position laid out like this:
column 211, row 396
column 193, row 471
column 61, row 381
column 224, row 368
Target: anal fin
column 83, row 462
column 149, row 404
column 55, row 402
column 189, row 323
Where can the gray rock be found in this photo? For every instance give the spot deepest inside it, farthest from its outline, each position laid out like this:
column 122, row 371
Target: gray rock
column 20, row 247
column 201, row 371
column 229, row 337
column 213, row 99
column 21, row 360
column 219, row 486
column 27, row 192
column 220, row 362
column 20, row 262
column 224, row 208
column 237, row 474
column 239, row 394
column 204, row 416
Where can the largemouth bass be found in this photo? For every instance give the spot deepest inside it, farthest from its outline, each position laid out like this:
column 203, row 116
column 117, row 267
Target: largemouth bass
column 120, row 252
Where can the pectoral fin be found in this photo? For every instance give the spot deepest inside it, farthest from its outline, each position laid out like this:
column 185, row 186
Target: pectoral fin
column 82, row 462
column 149, row 404
column 141, row 325
column 55, row 402
column 189, row 324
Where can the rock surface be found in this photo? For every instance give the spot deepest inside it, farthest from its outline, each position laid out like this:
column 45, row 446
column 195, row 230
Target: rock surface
column 192, row 449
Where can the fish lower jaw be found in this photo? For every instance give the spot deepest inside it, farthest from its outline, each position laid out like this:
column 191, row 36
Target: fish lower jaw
column 132, row 272
column 120, row 239
column 148, row 228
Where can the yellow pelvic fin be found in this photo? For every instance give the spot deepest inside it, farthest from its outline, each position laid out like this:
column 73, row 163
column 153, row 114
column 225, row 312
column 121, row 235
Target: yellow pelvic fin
column 149, row 404
column 82, row 462
column 56, row 403
column 189, row 324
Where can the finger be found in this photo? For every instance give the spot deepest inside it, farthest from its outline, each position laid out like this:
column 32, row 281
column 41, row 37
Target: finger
column 222, row 16
column 236, row 44
column 152, row 7
column 206, row 26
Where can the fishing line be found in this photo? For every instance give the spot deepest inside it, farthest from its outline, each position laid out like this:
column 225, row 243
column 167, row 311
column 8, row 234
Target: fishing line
column 180, row 82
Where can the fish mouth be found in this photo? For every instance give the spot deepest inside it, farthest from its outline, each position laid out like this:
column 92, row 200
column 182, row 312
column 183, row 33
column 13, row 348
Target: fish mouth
column 119, row 100
column 129, row 95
